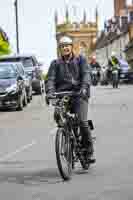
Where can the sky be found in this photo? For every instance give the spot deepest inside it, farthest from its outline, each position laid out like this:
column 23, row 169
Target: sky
column 36, row 22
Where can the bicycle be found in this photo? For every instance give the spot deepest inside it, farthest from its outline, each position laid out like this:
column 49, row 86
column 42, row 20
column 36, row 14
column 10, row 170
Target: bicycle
column 68, row 146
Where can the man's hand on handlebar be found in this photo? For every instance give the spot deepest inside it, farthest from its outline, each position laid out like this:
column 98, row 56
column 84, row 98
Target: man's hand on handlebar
column 49, row 96
column 54, row 95
column 83, row 93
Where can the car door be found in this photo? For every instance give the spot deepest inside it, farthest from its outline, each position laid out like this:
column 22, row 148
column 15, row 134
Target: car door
column 20, row 80
column 23, row 74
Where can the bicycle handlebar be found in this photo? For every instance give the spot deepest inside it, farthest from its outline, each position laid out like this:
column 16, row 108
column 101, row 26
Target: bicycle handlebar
column 62, row 94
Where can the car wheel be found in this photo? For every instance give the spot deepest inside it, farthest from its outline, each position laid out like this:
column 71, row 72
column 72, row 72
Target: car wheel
column 25, row 99
column 43, row 90
column 29, row 96
column 20, row 103
column 28, row 99
column 40, row 89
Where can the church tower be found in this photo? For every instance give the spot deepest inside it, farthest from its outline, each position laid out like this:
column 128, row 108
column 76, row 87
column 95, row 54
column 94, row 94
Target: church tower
column 82, row 32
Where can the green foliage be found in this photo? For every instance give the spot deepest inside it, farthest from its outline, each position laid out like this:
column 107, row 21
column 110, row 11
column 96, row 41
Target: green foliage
column 4, row 44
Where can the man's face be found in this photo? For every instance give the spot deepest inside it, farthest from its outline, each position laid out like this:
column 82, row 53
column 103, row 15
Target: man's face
column 65, row 49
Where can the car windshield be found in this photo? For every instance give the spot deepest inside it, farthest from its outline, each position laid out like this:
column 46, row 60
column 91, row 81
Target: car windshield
column 7, row 72
column 27, row 62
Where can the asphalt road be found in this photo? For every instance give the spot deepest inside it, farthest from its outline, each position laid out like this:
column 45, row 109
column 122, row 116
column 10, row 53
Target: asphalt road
column 28, row 169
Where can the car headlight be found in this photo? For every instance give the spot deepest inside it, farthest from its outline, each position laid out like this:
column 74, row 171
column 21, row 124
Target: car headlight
column 12, row 88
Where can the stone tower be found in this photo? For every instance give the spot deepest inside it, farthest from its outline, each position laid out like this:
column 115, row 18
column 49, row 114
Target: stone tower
column 83, row 33
column 119, row 6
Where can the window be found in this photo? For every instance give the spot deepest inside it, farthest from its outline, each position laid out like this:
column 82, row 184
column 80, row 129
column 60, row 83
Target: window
column 7, row 71
column 27, row 62
column 21, row 70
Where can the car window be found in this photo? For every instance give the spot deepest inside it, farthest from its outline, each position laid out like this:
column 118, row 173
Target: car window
column 7, row 71
column 16, row 68
column 27, row 62
column 20, row 68
column 9, row 59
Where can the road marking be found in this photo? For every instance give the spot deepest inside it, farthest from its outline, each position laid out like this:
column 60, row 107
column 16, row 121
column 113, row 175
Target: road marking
column 25, row 147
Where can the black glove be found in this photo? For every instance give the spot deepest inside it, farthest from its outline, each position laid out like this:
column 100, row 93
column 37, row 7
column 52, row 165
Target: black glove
column 48, row 97
column 83, row 93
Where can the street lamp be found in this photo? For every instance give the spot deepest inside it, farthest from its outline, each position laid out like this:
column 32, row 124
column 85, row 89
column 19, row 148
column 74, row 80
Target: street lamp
column 107, row 44
column 120, row 44
column 17, row 30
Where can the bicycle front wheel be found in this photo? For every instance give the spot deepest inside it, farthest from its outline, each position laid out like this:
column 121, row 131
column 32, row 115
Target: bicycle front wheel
column 63, row 153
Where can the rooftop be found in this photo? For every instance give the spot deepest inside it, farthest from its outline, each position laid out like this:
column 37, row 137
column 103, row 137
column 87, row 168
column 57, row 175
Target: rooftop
column 72, row 27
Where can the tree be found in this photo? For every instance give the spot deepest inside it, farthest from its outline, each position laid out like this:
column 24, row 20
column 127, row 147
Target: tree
column 4, row 43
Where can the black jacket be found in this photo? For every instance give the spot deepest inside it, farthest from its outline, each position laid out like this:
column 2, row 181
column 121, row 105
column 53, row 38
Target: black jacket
column 72, row 75
column 95, row 65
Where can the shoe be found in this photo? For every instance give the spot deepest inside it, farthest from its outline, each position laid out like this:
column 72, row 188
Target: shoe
column 92, row 159
column 89, row 155
column 86, row 166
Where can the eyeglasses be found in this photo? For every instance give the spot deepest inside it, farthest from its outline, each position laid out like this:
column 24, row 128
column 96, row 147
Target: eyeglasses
column 64, row 45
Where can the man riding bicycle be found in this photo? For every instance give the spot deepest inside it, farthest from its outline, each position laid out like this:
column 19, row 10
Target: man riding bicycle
column 71, row 73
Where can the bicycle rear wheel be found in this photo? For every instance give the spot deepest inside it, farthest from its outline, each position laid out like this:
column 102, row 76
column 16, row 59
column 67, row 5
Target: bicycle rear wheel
column 63, row 153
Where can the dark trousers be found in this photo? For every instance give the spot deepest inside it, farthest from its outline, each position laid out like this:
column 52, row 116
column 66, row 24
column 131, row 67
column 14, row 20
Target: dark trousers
column 80, row 106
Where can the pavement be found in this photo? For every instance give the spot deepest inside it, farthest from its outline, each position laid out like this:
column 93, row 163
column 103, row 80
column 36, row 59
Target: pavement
column 28, row 168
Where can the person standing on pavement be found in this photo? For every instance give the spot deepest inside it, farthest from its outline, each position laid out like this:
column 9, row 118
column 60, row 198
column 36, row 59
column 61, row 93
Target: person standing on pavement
column 95, row 65
column 113, row 65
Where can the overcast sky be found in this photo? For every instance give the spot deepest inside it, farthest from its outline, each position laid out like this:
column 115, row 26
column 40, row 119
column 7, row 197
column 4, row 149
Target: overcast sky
column 36, row 22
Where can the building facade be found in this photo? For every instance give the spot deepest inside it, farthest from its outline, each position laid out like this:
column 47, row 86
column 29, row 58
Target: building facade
column 83, row 34
column 119, row 6
column 112, row 43
column 117, row 33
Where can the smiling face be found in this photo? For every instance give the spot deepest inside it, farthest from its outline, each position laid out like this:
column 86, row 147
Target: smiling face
column 66, row 49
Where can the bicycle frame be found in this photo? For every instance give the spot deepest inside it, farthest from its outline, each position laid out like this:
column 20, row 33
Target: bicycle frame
column 68, row 126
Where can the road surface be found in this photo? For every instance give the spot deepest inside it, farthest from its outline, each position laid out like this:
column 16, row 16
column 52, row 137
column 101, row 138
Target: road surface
column 28, row 169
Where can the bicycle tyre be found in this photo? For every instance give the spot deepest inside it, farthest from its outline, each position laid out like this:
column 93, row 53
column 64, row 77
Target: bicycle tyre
column 66, row 171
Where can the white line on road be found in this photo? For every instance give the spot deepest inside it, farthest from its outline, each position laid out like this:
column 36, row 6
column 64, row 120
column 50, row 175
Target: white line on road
column 25, row 147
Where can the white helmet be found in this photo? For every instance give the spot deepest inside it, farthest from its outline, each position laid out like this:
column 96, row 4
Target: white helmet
column 113, row 54
column 65, row 40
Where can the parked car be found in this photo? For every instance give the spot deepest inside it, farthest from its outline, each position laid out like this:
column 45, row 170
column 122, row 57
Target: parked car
column 27, row 79
column 32, row 68
column 126, row 73
column 12, row 87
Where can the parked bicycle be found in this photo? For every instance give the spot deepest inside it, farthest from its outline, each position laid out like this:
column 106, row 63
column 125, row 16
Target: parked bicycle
column 68, row 138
